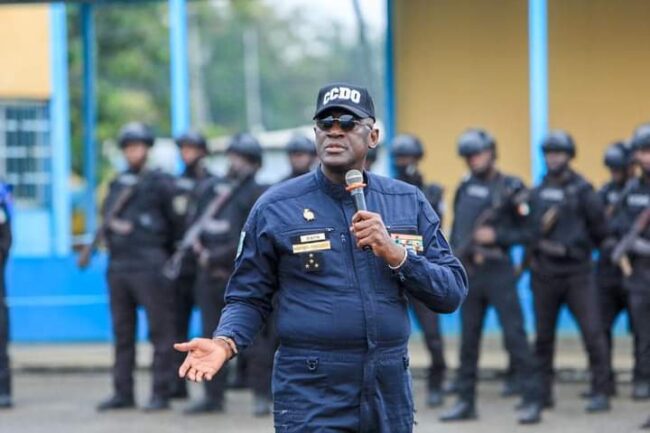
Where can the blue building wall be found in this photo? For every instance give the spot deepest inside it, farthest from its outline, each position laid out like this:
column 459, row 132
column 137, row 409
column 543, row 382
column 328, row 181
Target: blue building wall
column 50, row 300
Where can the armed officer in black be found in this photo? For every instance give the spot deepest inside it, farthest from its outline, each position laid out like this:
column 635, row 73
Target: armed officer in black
column 188, row 187
column 490, row 210
column 5, row 245
column 632, row 227
column 407, row 151
column 567, row 222
column 302, row 155
column 140, row 237
column 217, row 247
column 609, row 278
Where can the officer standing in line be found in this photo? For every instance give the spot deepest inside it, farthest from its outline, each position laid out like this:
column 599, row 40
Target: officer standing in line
column 371, row 158
column 193, row 149
column 609, row 279
column 217, row 246
column 407, row 151
column 567, row 222
column 302, row 156
column 633, row 221
column 490, row 211
column 340, row 275
column 140, row 236
column 5, row 245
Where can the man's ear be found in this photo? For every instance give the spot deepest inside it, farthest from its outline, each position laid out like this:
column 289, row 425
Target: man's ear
column 374, row 138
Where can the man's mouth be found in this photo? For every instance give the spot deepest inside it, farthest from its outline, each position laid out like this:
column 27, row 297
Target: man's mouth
column 335, row 148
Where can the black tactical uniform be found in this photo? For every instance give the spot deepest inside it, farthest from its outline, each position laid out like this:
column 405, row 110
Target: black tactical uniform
column 636, row 203
column 567, row 221
column 409, row 145
column 5, row 244
column 609, row 278
column 498, row 201
column 300, row 144
column 188, row 187
column 140, row 239
column 216, row 252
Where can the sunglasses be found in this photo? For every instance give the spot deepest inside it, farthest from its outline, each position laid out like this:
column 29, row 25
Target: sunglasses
column 346, row 122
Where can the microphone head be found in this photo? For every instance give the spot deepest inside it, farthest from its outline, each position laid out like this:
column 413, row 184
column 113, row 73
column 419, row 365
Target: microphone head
column 353, row 177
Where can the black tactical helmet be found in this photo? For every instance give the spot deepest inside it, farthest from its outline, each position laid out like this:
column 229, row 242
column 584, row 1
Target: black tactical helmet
column 192, row 138
column 246, row 144
column 475, row 140
column 641, row 137
column 406, row 145
column 371, row 156
column 559, row 141
column 617, row 155
column 301, row 144
column 135, row 131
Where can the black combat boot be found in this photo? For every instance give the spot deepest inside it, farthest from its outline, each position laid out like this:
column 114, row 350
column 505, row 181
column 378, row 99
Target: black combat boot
column 204, row 406
column 435, row 398
column 598, row 403
column 262, row 405
column 530, row 413
column 641, row 390
column 5, row 401
column 463, row 410
column 116, row 402
column 157, row 403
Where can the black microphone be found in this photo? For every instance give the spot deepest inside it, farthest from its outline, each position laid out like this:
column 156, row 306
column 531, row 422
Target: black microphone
column 354, row 182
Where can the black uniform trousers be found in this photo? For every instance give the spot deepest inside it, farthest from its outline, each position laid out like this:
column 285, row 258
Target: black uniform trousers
column 638, row 287
column 5, row 376
column 209, row 294
column 639, row 302
column 147, row 288
column 494, row 283
column 260, row 360
column 430, row 324
column 184, row 303
column 578, row 291
column 613, row 300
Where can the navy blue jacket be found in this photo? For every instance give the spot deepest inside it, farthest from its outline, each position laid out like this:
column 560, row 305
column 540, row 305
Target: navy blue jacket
column 338, row 296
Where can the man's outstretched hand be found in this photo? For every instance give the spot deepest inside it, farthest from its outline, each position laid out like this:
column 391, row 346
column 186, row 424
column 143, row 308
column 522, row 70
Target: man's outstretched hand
column 205, row 357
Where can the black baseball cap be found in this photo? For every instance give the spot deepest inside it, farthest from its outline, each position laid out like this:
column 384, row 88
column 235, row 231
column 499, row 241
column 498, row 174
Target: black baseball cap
column 354, row 99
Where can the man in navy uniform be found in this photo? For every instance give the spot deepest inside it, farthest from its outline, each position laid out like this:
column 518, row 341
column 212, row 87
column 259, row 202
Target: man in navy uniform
column 341, row 276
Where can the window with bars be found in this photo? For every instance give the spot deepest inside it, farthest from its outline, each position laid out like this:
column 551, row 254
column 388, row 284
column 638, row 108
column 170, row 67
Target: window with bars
column 25, row 151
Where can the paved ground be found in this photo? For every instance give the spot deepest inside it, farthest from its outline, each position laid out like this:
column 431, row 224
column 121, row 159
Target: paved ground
column 56, row 389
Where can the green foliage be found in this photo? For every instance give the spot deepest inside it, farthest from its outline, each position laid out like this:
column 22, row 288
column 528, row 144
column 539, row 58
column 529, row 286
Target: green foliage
column 297, row 54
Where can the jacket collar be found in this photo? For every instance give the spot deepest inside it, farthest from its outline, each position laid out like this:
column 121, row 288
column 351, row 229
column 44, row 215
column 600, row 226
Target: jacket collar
column 335, row 190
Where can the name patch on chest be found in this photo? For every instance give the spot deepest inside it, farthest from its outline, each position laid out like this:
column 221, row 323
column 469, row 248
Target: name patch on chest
column 310, row 242
column 552, row 194
column 638, row 200
column 311, row 247
column 409, row 241
column 478, row 191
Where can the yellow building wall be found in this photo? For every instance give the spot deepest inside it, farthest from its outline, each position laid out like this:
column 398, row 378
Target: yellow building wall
column 599, row 73
column 24, row 52
column 458, row 64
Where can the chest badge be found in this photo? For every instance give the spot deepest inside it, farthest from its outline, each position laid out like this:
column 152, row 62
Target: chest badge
column 308, row 215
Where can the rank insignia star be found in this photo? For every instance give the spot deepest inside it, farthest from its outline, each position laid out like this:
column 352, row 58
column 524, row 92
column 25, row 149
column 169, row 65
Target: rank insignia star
column 308, row 215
